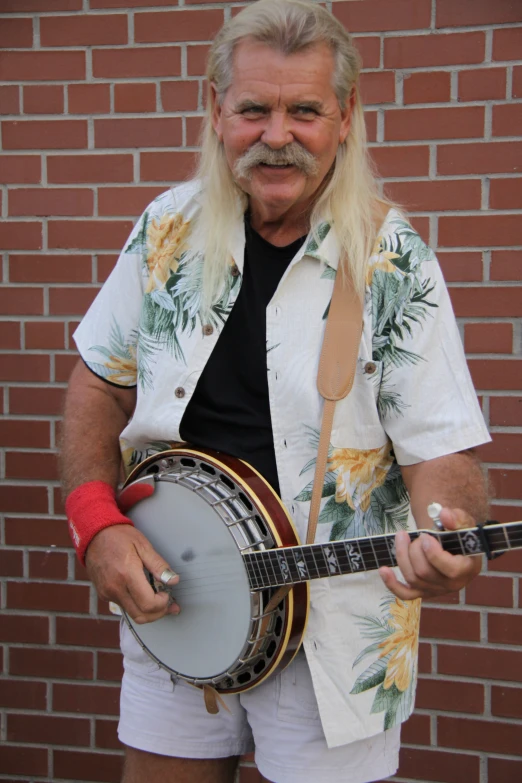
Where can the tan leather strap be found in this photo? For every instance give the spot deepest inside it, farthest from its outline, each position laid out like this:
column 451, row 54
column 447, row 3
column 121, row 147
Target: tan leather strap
column 336, row 373
column 213, row 700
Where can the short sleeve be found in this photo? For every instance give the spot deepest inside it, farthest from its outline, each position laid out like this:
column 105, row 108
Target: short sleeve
column 107, row 336
column 427, row 402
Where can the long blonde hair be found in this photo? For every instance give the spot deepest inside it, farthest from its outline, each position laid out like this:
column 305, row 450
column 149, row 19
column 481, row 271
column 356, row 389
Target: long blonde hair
column 350, row 199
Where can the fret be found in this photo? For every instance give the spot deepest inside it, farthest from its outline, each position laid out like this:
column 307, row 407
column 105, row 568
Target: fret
column 354, row 555
column 330, row 559
column 292, row 564
column 284, row 565
column 366, row 549
column 300, row 562
column 276, row 567
column 308, row 554
column 253, row 572
column 320, row 560
column 374, row 553
column 382, row 553
column 504, row 530
column 265, row 579
column 342, row 557
column 390, row 545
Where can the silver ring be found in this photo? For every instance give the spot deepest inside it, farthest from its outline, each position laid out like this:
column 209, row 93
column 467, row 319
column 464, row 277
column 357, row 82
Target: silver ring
column 166, row 576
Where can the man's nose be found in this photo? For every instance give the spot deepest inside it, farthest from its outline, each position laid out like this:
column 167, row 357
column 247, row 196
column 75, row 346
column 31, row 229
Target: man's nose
column 276, row 133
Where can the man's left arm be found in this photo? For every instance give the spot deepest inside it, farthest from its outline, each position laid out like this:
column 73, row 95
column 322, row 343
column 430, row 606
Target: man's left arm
column 456, row 481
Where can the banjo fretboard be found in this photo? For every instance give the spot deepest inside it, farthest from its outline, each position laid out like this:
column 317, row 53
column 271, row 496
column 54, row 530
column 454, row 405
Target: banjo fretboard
column 291, row 565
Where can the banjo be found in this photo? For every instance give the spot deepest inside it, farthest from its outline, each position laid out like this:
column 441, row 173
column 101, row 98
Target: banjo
column 244, row 574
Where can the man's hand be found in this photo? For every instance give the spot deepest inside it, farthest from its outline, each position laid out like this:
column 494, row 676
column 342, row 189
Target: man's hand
column 429, row 570
column 115, row 561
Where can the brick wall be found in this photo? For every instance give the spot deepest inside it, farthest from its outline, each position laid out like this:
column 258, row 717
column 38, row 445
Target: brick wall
column 101, row 103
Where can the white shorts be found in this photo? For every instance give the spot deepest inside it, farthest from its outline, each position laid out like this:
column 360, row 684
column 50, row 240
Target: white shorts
column 279, row 719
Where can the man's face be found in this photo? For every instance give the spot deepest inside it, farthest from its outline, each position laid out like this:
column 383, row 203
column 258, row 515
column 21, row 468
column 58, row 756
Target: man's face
column 280, row 110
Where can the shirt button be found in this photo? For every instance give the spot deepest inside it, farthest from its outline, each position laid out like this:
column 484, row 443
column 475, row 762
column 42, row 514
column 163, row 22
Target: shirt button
column 207, row 329
column 370, row 367
column 180, row 392
column 234, row 271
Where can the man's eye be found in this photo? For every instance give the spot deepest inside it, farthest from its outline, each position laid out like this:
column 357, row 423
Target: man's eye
column 305, row 110
column 253, row 110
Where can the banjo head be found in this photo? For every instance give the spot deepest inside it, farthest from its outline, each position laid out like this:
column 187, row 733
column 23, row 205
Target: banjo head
column 200, row 519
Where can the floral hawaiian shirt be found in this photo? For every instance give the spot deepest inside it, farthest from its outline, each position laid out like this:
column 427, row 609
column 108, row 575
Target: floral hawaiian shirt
column 412, row 400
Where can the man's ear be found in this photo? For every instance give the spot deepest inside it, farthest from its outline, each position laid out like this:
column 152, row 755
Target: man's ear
column 346, row 116
column 215, row 111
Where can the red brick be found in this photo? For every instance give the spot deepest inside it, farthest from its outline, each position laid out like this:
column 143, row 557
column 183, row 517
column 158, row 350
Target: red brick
column 506, row 702
column 179, row 26
column 90, row 168
column 71, row 301
column 449, row 696
column 504, row 770
column 443, row 767
column 127, row 3
column 506, row 265
column 140, row 62
column 505, row 629
column 126, row 201
column 21, row 301
column 488, row 338
column 19, row 235
column 377, row 87
column 486, row 301
column 51, row 201
column 88, row 766
column 9, row 335
column 110, row 666
column 38, row 465
column 440, row 123
column 179, row 96
column 461, row 267
column 506, row 483
column 106, row 735
column 197, row 60
column 496, row 373
column 87, row 632
column 505, row 411
column 482, row 735
column 9, row 99
column 414, row 51
column 516, row 87
column 11, row 562
column 20, row 168
column 50, row 268
column 23, row 368
column 166, row 166
column 23, row 695
column 85, row 234
column 48, row 729
column 480, row 230
column 448, row 598
column 417, row 730
column 490, row 591
column 360, row 16
column 450, row 624
column 401, row 161
column 36, row 532
column 427, row 87
column 133, row 98
column 507, row 44
column 480, row 662
column 106, row 264
column 16, row 33
column 436, row 196
column 97, row 699
column 89, row 98
column 506, row 193
column 480, row 158
column 55, row 597
column 43, row 99
column 41, row 66
column 31, row 761
column 44, row 134
column 506, row 119
column 482, row 84
column 17, row 498
column 48, row 565
column 57, row 664
column 505, row 447
column 44, row 334
column 83, row 30
column 370, row 119
column 369, row 50
column 476, row 12
column 64, row 366
column 41, row 6
column 150, row 132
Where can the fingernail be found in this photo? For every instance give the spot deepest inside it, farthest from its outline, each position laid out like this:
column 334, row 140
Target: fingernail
column 174, row 609
column 426, row 542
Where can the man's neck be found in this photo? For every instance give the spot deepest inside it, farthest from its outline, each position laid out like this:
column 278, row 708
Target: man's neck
column 279, row 229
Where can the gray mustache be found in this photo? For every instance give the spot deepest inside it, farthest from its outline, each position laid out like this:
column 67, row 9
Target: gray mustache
column 291, row 155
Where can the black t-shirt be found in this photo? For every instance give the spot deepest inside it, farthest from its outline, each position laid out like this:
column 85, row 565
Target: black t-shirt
column 230, row 409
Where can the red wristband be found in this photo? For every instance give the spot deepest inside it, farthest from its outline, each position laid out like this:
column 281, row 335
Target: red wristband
column 90, row 508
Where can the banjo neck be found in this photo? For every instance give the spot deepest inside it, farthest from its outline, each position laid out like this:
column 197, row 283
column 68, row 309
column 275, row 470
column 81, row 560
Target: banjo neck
column 295, row 564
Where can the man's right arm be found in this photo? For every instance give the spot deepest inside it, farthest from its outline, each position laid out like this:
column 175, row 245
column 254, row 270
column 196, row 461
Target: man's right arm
column 95, row 414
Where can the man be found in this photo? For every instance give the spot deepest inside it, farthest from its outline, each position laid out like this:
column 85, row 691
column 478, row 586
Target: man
column 209, row 330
